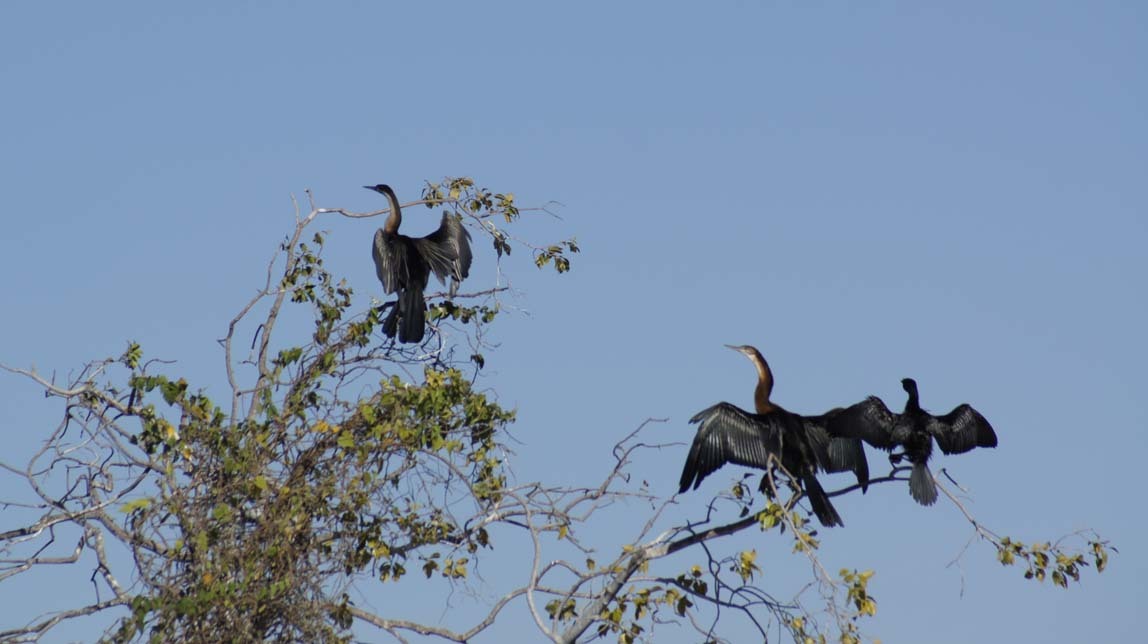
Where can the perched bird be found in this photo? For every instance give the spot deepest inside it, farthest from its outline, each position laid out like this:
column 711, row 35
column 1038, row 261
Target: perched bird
column 914, row 430
column 801, row 444
column 404, row 264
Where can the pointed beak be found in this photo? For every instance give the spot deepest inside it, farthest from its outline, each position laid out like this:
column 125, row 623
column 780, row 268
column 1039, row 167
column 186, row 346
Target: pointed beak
column 730, row 346
column 369, row 187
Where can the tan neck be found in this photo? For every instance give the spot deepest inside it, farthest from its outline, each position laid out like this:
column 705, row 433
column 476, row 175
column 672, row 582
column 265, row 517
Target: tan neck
column 396, row 216
column 764, row 385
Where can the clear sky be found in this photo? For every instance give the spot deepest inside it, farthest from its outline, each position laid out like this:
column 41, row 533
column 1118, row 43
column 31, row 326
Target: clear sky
column 865, row 191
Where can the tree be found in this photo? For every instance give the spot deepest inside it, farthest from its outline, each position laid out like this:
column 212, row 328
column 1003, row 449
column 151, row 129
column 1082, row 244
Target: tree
column 342, row 459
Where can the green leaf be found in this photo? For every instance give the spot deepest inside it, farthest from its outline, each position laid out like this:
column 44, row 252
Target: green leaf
column 222, row 513
column 131, row 357
column 138, row 504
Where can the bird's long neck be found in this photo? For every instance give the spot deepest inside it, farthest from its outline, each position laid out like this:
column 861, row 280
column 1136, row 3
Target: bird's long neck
column 914, row 402
column 764, row 385
column 396, row 216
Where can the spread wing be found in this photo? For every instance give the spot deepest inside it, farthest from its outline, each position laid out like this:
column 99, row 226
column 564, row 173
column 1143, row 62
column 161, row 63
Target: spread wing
column 836, row 453
column 393, row 260
column 383, row 252
column 961, row 430
column 398, row 263
column 447, row 250
column 869, row 420
column 729, row 434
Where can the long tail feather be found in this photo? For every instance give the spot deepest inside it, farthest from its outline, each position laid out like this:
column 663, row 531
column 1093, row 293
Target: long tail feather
column 412, row 314
column 824, row 510
column 921, row 485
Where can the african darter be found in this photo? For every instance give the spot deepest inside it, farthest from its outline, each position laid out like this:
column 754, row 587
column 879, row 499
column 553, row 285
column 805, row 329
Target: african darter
column 914, row 430
column 801, row 444
column 404, row 264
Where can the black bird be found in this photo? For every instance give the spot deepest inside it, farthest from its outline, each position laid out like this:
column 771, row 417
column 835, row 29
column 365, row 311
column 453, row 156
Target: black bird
column 802, row 444
column 404, row 264
column 914, row 430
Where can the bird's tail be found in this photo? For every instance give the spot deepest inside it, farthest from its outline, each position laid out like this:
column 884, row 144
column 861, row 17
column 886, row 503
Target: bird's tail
column 824, row 510
column 407, row 317
column 412, row 314
column 921, row 485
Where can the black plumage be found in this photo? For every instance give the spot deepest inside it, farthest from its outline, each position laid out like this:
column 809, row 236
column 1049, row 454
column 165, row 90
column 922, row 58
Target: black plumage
column 404, row 264
column 802, row 445
column 914, row 430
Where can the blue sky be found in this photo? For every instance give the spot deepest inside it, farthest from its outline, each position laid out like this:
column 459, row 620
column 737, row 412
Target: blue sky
column 864, row 192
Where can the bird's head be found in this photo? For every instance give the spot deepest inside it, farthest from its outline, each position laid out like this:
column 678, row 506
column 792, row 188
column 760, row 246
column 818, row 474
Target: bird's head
column 746, row 350
column 909, row 385
column 381, row 188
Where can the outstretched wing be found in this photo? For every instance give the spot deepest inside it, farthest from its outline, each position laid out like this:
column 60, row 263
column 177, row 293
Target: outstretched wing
column 836, row 453
column 961, row 430
column 447, row 250
column 869, row 420
column 728, row 434
column 393, row 257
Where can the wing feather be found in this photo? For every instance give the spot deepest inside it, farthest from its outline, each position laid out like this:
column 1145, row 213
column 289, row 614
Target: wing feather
column 398, row 264
column 384, row 252
column 836, row 453
column 869, row 420
column 728, row 434
column 961, row 430
column 447, row 250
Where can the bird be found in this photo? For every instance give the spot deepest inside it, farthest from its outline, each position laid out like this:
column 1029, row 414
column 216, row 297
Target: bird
column 801, row 444
column 914, row 430
column 403, row 265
